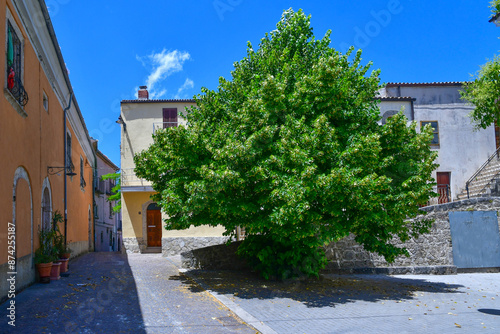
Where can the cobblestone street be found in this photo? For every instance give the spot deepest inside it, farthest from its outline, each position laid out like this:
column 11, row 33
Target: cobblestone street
column 115, row 293
column 145, row 293
column 463, row 303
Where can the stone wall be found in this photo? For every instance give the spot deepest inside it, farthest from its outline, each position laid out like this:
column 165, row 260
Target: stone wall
column 219, row 257
column 432, row 252
column 173, row 246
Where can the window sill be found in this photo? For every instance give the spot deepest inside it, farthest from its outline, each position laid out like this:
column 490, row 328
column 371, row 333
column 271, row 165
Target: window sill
column 20, row 110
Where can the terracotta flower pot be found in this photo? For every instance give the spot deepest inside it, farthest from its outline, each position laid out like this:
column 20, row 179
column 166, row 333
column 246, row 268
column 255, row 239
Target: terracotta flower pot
column 44, row 270
column 64, row 265
column 65, row 255
column 54, row 273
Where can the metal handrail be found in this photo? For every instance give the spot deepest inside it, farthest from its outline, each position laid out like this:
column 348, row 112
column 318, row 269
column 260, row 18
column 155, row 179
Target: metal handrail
column 480, row 170
column 446, row 194
column 489, row 183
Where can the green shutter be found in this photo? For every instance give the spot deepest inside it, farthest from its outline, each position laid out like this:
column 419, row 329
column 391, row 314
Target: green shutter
column 10, row 50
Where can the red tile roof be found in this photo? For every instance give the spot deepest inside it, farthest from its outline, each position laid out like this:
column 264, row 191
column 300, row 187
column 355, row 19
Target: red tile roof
column 159, row 101
column 449, row 83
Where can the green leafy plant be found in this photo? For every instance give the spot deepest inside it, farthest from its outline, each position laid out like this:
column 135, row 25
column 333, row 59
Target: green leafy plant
column 290, row 148
column 116, row 191
column 46, row 253
column 60, row 243
column 484, row 94
column 495, row 7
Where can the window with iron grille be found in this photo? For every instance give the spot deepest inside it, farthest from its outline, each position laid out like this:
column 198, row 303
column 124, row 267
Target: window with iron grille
column 69, row 161
column 14, row 66
column 82, row 178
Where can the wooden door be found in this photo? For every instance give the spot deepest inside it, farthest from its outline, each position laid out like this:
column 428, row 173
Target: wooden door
column 443, row 187
column 154, row 228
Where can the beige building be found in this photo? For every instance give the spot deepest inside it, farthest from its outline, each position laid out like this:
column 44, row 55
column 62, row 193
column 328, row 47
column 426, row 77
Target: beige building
column 142, row 225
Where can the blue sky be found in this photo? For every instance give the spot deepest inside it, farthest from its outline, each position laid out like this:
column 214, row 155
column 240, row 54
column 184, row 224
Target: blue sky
column 176, row 47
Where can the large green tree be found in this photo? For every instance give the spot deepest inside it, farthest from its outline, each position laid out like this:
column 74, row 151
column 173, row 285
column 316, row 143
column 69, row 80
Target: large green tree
column 484, row 94
column 290, row 149
column 484, row 91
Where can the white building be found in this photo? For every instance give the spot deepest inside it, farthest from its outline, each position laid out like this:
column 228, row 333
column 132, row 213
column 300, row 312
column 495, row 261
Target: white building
column 461, row 149
column 107, row 223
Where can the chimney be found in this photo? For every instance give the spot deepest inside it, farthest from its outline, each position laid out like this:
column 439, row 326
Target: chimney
column 143, row 93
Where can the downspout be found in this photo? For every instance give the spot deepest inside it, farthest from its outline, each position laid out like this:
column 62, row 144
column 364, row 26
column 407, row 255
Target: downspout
column 66, row 171
column 94, row 174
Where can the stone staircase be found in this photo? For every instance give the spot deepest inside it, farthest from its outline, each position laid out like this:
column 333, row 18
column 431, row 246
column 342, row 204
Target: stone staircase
column 486, row 180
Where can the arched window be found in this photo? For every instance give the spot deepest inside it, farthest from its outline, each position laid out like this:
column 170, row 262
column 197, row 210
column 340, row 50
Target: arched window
column 388, row 114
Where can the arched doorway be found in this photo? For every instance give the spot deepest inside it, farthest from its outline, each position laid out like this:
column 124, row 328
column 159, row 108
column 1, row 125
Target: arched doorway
column 22, row 219
column 153, row 223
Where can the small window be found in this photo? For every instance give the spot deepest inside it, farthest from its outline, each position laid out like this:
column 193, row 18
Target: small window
column 169, row 117
column 45, row 102
column 110, row 210
column 69, row 161
column 435, row 130
column 102, row 237
column 82, row 178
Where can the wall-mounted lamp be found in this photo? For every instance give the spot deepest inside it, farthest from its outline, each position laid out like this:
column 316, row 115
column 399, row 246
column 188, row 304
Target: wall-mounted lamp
column 121, row 121
column 56, row 170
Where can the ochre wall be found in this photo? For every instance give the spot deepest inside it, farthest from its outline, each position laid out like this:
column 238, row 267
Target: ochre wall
column 36, row 142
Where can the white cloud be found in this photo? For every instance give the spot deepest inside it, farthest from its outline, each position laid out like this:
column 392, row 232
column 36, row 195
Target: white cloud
column 163, row 64
column 187, row 85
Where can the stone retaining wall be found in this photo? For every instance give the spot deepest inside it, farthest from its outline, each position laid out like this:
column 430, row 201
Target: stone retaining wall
column 219, row 257
column 432, row 250
column 430, row 253
column 173, row 246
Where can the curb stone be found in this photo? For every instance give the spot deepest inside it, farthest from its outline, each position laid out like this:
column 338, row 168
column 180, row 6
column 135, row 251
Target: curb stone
column 244, row 315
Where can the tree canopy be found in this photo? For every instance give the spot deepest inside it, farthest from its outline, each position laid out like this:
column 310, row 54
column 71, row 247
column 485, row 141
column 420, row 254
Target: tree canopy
column 290, row 148
column 484, row 94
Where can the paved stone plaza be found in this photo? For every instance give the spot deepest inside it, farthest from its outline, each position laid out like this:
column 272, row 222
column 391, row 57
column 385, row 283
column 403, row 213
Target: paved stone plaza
column 115, row 293
column 463, row 303
column 145, row 293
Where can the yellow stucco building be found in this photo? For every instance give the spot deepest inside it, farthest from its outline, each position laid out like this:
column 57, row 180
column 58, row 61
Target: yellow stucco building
column 141, row 218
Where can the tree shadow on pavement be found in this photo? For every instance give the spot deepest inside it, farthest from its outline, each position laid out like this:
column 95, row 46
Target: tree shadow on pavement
column 326, row 291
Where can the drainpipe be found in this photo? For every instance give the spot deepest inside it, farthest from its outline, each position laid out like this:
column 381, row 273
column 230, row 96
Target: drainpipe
column 92, row 219
column 66, row 171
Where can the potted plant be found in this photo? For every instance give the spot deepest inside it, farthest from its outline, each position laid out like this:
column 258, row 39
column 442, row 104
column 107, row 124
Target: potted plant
column 62, row 249
column 45, row 255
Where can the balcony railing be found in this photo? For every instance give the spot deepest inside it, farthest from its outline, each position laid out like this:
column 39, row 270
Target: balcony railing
column 163, row 125
column 129, row 179
column 17, row 90
column 444, row 193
